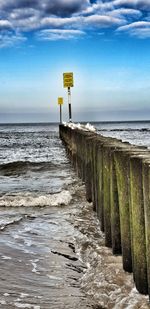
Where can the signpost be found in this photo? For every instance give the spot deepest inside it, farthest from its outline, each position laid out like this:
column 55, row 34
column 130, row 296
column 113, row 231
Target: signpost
column 68, row 83
column 60, row 103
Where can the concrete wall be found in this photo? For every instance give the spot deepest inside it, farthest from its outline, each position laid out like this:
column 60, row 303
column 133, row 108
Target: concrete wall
column 117, row 181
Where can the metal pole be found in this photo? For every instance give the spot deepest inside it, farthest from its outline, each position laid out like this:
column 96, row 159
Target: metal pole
column 60, row 114
column 69, row 104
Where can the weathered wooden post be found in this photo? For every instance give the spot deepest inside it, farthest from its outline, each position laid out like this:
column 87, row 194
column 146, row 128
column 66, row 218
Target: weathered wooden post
column 106, row 196
column 88, row 174
column 146, row 191
column 138, row 225
column 122, row 164
column 100, row 203
column 115, row 212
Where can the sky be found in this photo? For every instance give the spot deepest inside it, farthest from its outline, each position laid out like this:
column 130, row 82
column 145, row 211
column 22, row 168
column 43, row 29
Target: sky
column 106, row 44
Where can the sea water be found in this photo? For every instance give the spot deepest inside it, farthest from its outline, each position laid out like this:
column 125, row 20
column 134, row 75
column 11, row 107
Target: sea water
column 52, row 252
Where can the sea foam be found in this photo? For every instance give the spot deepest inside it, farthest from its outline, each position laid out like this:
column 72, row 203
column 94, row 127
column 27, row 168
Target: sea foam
column 29, row 200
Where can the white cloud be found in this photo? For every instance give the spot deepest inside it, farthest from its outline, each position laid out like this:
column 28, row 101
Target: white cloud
column 139, row 4
column 5, row 24
column 9, row 39
column 122, row 12
column 23, row 13
column 82, row 22
column 61, row 22
column 59, row 34
column 142, row 33
column 102, row 21
column 140, row 29
column 134, row 25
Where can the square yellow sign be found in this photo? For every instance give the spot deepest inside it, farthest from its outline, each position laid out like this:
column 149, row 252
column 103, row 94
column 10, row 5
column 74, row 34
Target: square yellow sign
column 68, row 80
column 60, row 100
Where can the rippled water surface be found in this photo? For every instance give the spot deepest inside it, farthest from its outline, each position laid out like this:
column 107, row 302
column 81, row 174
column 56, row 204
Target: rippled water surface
column 52, row 252
column 137, row 133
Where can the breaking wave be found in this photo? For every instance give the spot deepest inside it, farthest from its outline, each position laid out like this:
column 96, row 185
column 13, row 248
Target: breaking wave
column 20, row 167
column 29, row 200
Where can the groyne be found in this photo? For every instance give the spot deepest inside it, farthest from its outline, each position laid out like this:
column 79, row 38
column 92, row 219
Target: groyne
column 117, row 180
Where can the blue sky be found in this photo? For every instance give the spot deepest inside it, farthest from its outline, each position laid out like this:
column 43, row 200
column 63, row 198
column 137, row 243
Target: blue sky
column 105, row 43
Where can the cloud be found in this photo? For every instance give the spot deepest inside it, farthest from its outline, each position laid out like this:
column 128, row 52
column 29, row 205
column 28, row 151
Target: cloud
column 59, row 34
column 5, row 25
column 126, row 12
column 9, row 39
column 64, row 7
column 25, row 16
column 139, row 29
column 82, row 22
column 8, row 5
column 138, row 4
column 20, row 13
column 102, row 21
column 55, row 22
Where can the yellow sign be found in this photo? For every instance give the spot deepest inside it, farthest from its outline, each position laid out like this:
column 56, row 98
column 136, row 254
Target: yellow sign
column 60, row 100
column 68, row 80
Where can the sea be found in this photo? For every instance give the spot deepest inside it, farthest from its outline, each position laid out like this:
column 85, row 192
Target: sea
column 52, row 252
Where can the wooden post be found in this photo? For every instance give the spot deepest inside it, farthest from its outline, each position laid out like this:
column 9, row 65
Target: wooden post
column 138, row 225
column 146, row 191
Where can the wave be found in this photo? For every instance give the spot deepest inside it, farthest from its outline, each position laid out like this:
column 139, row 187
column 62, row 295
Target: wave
column 21, row 167
column 125, row 130
column 30, row 200
column 9, row 221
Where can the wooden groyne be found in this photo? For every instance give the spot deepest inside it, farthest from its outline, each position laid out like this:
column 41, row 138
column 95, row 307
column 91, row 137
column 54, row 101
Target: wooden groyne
column 117, row 180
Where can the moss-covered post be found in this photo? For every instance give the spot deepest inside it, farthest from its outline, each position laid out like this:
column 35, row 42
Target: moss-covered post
column 78, row 153
column 74, row 150
column 122, row 164
column 86, row 134
column 88, row 172
column 106, row 196
column 115, row 213
column 138, row 225
column 146, row 191
column 94, row 171
column 99, row 176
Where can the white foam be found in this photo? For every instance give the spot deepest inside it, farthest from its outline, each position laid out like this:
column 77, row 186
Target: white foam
column 23, row 295
column 19, row 305
column 27, row 200
column 6, row 294
column 34, row 270
column 4, row 257
column 3, row 302
column 87, row 127
column 55, row 278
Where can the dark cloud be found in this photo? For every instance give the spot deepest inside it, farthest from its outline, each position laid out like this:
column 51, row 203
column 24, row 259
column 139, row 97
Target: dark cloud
column 54, row 7
column 64, row 8
column 9, row 5
column 144, row 5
